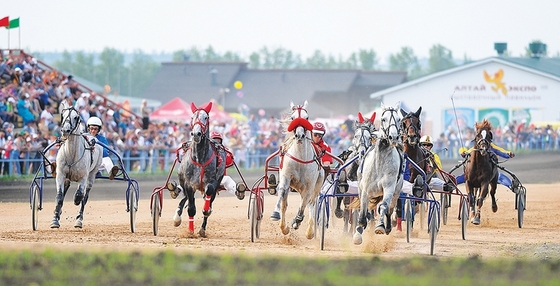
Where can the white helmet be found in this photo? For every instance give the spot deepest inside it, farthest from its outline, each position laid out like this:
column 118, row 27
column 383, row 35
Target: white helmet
column 94, row 121
column 426, row 139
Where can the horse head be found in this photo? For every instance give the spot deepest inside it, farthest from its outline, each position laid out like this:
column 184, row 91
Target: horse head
column 364, row 130
column 411, row 126
column 390, row 123
column 483, row 137
column 70, row 122
column 300, row 121
column 200, row 121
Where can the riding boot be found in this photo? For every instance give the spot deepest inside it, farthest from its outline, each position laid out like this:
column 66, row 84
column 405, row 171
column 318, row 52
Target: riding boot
column 448, row 187
column 240, row 190
column 272, row 184
column 399, row 224
column 113, row 172
column 53, row 169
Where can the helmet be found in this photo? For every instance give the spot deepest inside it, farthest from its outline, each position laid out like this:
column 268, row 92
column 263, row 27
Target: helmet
column 94, row 121
column 426, row 139
column 318, row 127
column 216, row 135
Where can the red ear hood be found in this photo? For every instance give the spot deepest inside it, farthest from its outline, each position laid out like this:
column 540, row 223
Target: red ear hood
column 360, row 117
column 300, row 122
column 206, row 108
column 372, row 119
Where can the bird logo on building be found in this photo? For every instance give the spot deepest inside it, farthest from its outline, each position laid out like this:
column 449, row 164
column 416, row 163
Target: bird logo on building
column 499, row 85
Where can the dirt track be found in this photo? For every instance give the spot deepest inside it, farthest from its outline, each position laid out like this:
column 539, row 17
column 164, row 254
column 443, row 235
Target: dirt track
column 106, row 226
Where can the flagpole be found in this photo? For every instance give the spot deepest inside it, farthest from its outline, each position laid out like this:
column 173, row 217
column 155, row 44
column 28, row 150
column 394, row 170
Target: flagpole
column 9, row 39
column 19, row 36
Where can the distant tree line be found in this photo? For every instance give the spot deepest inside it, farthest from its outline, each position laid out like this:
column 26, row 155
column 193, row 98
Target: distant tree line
column 109, row 68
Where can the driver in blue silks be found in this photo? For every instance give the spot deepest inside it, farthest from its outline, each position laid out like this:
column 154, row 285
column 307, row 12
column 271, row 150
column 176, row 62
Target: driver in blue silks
column 93, row 126
column 506, row 154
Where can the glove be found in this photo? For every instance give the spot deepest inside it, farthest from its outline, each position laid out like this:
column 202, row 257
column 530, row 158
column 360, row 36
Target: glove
column 511, row 155
column 463, row 154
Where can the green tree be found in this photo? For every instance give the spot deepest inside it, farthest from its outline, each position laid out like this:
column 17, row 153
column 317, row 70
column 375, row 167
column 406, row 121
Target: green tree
column 66, row 64
column 254, row 60
column 441, row 58
column 83, row 65
column 112, row 63
column 407, row 61
column 316, row 61
column 141, row 73
column 368, row 59
column 210, row 55
column 180, row 56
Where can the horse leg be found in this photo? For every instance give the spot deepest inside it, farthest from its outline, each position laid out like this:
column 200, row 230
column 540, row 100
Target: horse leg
column 362, row 220
column 179, row 211
column 89, row 181
column 79, row 195
column 382, row 211
column 191, row 209
column 210, row 195
column 338, row 211
column 207, row 210
column 62, row 188
column 493, row 196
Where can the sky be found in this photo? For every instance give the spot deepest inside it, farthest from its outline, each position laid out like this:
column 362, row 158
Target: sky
column 338, row 28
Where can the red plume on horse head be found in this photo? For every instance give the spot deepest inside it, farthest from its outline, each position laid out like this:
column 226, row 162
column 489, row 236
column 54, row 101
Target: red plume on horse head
column 361, row 117
column 206, row 108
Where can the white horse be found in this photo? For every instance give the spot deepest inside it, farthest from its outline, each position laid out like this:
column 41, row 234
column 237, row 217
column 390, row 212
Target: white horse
column 381, row 177
column 78, row 160
column 300, row 169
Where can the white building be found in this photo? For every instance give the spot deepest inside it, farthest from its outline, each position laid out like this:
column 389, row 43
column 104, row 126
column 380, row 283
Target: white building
column 500, row 89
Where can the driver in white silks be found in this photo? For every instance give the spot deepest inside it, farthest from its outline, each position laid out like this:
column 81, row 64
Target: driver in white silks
column 94, row 125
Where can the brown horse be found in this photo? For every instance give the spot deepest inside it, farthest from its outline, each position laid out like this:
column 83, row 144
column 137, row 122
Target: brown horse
column 481, row 172
column 410, row 135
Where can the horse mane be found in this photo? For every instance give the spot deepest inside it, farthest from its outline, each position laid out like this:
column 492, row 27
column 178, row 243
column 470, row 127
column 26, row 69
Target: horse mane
column 485, row 124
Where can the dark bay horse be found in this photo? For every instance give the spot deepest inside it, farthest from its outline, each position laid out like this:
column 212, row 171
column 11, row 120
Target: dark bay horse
column 481, row 172
column 202, row 168
column 411, row 129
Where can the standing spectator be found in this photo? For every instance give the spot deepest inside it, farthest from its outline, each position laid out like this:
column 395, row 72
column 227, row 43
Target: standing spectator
column 145, row 110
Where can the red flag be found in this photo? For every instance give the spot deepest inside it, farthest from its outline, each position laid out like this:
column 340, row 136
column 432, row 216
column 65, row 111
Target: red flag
column 5, row 22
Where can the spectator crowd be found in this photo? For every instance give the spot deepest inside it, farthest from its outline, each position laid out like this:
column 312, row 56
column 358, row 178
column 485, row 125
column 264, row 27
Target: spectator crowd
column 29, row 122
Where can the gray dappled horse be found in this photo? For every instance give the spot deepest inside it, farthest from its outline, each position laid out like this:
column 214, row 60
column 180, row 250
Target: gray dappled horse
column 481, row 173
column 300, row 169
column 77, row 160
column 364, row 135
column 381, row 177
column 202, row 168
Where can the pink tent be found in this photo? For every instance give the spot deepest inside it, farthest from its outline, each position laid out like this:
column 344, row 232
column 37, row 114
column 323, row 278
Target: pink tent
column 178, row 109
column 175, row 110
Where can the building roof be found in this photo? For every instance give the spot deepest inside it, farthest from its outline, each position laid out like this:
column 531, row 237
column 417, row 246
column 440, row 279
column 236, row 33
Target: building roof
column 547, row 67
column 329, row 92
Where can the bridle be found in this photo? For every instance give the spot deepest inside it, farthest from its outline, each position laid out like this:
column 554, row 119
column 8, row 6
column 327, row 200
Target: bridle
column 387, row 124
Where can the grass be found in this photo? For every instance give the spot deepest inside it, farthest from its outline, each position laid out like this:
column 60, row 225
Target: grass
column 169, row 268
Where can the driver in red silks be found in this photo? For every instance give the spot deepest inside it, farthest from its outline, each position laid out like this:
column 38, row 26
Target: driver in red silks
column 227, row 182
column 318, row 133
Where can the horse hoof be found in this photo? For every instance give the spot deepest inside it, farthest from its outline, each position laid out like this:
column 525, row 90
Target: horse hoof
column 475, row 221
column 357, row 239
column 78, row 197
column 55, row 224
column 202, row 232
column 78, row 224
column 275, row 216
column 176, row 220
column 207, row 213
column 380, row 230
column 286, row 231
column 495, row 208
column 338, row 213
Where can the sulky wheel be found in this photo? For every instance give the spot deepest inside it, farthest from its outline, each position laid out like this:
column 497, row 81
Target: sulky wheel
column 35, row 207
column 132, row 208
column 156, row 211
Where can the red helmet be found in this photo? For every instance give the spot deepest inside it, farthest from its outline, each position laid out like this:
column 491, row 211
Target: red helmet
column 216, row 135
column 318, row 127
